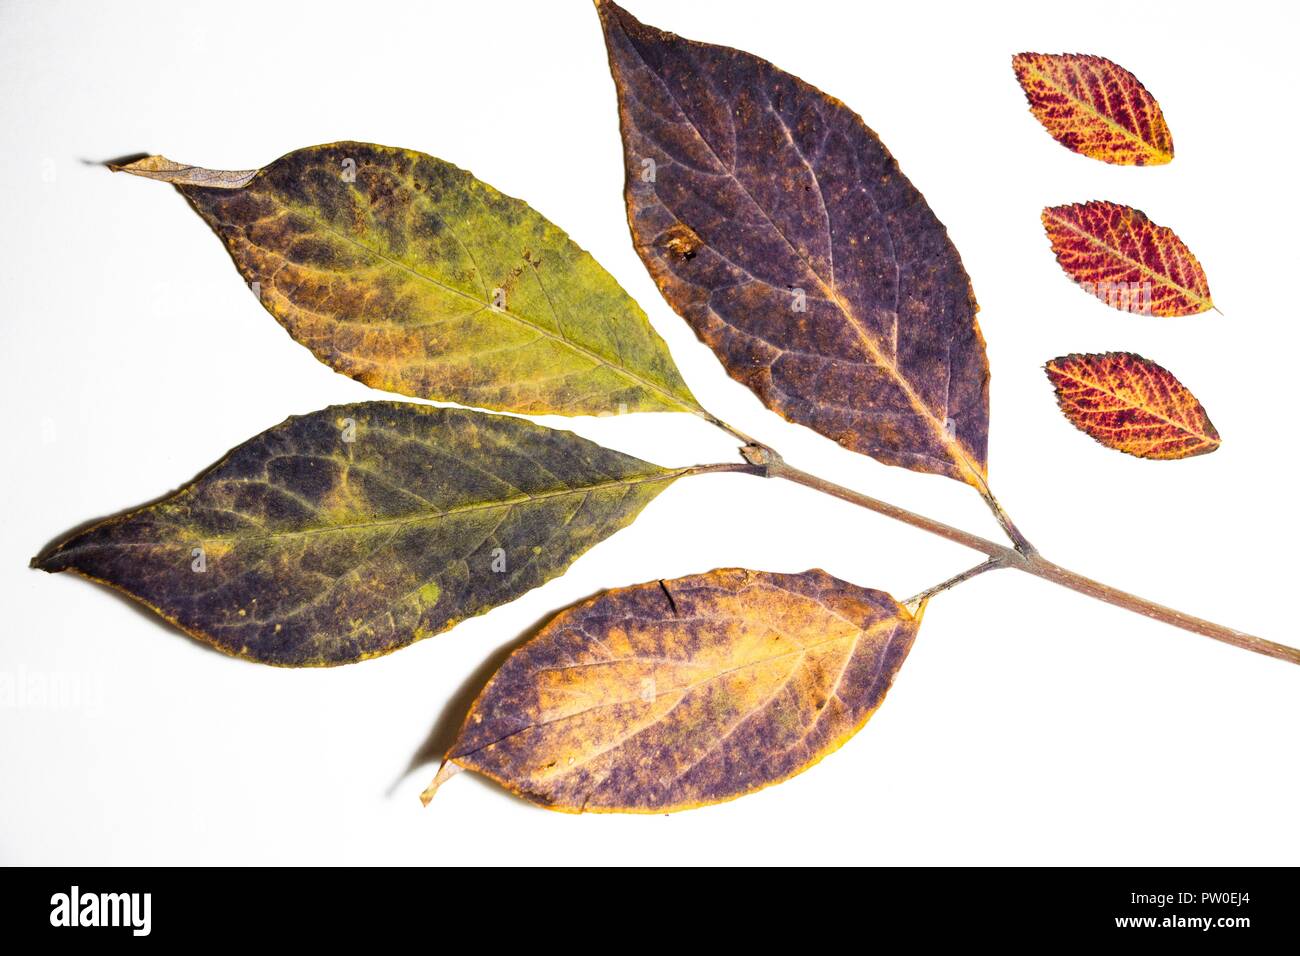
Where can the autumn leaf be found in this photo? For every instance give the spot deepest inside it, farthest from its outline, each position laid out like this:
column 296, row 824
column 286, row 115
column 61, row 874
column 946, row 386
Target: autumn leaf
column 676, row 694
column 778, row 225
column 409, row 274
column 1095, row 107
column 1131, row 404
column 358, row 529
column 1123, row 258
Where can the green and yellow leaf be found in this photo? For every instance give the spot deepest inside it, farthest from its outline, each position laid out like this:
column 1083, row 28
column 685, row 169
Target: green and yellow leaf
column 676, row 694
column 355, row 530
column 411, row 275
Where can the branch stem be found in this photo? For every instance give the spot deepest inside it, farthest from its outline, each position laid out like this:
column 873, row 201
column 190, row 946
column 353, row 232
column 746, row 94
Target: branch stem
column 1048, row 571
column 763, row 460
column 777, row 468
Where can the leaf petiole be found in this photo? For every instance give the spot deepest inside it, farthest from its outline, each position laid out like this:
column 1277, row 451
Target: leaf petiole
column 915, row 602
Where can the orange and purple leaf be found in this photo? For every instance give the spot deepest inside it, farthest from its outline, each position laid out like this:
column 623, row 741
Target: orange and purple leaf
column 1095, row 107
column 1123, row 258
column 780, row 227
column 1131, row 404
column 675, row 694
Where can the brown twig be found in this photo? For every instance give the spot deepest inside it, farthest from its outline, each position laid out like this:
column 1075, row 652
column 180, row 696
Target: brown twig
column 764, row 460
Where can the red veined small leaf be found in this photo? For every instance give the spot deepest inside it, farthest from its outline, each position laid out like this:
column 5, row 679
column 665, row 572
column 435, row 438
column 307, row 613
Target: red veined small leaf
column 1123, row 258
column 1131, row 404
column 1095, row 107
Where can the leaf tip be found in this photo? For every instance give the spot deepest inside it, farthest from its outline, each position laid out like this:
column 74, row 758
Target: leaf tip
column 44, row 560
column 120, row 163
column 141, row 164
column 445, row 773
column 606, row 8
column 180, row 174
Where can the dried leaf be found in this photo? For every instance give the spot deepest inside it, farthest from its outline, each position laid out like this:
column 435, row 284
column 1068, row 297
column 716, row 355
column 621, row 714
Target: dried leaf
column 1131, row 404
column 675, row 694
column 778, row 225
column 1123, row 258
column 358, row 529
column 411, row 275
column 1095, row 107
column 179, row 174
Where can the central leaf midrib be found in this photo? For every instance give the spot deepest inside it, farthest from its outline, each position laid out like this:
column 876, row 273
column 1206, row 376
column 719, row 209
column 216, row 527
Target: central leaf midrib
column 418, row 517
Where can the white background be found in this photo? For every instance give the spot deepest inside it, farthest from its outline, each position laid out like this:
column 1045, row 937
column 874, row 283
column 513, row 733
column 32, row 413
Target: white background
column 1030, row 725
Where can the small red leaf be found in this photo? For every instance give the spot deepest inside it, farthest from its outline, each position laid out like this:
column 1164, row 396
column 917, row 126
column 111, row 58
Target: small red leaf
column 1095, row 107
column 1131, row 404
column 1123, row 258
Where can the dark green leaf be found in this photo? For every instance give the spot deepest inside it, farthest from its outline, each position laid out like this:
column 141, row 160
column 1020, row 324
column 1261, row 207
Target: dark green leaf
column 355, row 530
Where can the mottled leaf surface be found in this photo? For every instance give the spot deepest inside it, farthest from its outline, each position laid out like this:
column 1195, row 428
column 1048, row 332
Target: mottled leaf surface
column 675, row 694
column 1123, row 258
column 355, row 530
column 1095, row 107
column 413, row 276
column 1131, row 404
column 778, row 225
